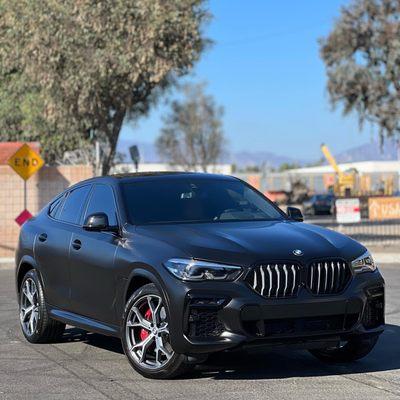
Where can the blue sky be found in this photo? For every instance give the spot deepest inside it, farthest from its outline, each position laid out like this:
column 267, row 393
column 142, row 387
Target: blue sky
column 264, row 68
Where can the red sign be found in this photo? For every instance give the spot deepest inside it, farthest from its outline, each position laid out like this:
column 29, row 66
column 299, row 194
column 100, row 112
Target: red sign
column 23, row 217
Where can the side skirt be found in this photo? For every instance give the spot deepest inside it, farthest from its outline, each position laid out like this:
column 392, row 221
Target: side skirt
column 85, row 323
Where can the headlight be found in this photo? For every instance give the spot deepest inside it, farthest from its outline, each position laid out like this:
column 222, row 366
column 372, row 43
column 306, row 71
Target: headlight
column 194, row 270
column 364, row 263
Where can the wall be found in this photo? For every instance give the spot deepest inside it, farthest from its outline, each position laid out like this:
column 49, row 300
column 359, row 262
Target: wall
column 225, row 169
column 41, row 188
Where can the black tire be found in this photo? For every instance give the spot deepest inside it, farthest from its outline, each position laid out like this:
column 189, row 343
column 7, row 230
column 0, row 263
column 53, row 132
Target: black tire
column 176, row 365
column 354, row 349
column 46, row 330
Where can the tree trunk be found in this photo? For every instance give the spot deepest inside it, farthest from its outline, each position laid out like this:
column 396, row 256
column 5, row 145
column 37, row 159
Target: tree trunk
column 113, row 136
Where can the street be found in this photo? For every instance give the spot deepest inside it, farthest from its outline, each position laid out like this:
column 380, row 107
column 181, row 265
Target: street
column 91, row 366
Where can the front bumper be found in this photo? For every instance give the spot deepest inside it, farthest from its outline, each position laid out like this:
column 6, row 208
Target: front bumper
column 208, row 317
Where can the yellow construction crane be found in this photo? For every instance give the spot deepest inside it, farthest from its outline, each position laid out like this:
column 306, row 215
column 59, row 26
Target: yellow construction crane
column 346, row 181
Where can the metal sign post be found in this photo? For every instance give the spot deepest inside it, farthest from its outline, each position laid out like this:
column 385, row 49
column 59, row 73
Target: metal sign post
column 25, row 196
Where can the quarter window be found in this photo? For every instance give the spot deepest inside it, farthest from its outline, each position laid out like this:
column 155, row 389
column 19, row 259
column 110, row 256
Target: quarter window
column 102, row 200
column 73, row 205
column 55, row 207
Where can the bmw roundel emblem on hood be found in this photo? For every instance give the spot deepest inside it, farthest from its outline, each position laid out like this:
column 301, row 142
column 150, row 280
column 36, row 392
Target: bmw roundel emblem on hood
column 298, row 252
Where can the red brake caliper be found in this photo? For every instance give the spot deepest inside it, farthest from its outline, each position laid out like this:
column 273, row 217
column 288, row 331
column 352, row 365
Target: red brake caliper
column 144, row 333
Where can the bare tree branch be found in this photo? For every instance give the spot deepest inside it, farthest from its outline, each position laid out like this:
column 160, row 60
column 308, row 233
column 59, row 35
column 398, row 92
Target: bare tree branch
column 192, row 136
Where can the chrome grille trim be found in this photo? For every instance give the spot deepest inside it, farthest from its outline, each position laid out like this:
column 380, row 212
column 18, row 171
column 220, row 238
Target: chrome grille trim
column 319, row 277
column 275, row 280
column 333, row 276
column 284, row 279
column 270, row 281
column 328, row 277
column 262, row 280
column 294, row 281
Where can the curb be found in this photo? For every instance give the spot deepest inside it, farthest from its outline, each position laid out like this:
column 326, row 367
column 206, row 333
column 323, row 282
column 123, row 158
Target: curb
column 7, row 263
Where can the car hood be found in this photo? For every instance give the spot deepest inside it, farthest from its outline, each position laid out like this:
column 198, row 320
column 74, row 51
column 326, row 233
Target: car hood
column 245, row 243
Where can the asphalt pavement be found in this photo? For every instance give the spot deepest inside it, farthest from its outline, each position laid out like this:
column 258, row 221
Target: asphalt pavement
column 90, row 366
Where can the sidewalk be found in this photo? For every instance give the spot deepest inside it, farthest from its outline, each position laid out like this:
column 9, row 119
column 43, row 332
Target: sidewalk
column 385, row 254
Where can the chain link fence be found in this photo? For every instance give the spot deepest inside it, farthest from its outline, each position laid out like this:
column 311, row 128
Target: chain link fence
column 370, row 233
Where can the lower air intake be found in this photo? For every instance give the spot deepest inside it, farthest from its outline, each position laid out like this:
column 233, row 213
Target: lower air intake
column 204, row 323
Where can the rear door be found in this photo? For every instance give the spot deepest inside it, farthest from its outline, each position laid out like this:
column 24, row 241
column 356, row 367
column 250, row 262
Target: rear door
column 93, row 277
column 52, row 245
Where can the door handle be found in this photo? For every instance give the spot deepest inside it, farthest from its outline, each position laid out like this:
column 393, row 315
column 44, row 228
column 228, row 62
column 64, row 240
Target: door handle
column 42, row 237
column 76, row 244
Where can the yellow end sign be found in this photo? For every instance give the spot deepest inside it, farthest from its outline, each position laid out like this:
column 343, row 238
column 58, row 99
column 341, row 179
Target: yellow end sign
column 25, row 162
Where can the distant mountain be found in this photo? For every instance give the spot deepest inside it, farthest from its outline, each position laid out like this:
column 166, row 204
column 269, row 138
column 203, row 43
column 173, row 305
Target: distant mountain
column 257, row 158
column 148, row 154
column 243, row 159
column 389, row 151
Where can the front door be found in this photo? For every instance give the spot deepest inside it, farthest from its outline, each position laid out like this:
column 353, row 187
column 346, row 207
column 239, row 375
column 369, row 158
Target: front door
column 93, row 277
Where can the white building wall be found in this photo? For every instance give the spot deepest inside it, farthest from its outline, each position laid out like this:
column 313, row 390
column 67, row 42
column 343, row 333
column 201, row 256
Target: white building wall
column 225, row 169
column 363, row 167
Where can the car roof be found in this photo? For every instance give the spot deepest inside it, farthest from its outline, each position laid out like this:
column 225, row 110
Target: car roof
column 157, row 175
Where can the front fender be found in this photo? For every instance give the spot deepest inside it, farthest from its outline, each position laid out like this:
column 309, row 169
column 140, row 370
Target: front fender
column 139, row 270
column 144, row 271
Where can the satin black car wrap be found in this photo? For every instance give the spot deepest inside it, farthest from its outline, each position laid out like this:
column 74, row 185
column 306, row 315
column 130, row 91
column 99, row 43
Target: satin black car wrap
column 88, row 276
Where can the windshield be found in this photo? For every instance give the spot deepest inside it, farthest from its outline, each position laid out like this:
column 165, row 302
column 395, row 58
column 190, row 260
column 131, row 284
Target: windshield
column 197, row 200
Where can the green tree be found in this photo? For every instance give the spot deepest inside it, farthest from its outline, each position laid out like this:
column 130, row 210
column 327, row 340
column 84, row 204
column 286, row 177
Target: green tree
column 192, row 135
column 362, row 57
column 22, row 119
column 286, row 166
column 88, row 66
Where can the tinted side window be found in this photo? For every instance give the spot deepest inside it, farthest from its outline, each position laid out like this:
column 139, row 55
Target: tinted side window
column 56, row 206
column 102, row 200
column 73, row 205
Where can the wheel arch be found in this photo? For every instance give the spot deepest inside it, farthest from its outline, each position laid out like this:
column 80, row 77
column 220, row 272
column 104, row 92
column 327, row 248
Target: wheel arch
column 26, row 264
column 140, row 276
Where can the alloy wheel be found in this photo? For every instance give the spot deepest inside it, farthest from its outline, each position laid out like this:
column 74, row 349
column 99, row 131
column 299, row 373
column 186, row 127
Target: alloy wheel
column 29, row 307
column 147, row 333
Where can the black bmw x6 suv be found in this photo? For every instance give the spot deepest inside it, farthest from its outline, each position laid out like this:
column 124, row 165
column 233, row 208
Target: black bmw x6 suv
column 182, row 265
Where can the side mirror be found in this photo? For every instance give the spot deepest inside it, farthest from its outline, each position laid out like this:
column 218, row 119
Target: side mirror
column 96, row 222
column 295, row 214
